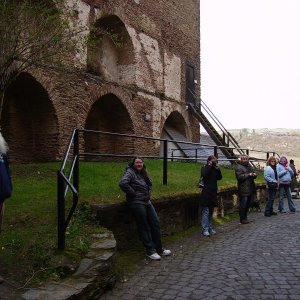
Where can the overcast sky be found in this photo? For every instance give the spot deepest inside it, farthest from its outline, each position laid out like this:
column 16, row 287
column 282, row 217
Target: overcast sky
column 250, row 62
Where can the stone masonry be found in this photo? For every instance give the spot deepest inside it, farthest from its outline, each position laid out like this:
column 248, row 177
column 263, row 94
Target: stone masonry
column 136, row 88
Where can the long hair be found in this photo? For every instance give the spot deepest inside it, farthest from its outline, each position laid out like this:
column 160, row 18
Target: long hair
column 143, row 171
column 211, row 157
column 271, row 158
column 3, row 145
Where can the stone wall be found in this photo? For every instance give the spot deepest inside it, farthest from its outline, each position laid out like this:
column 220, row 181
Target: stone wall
column 132, row 89
column 176, row 214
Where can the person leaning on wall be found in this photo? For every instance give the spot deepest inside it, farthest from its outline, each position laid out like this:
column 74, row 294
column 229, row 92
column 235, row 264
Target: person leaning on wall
column 5, row 178
column 137, row 185
column 210, row 174
column 245, row 176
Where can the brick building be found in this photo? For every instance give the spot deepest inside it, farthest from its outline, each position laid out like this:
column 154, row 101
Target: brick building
column 139, row 88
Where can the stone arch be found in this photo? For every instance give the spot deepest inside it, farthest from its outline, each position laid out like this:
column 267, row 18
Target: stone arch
column 109, row 114
column 111, row 54
column 176, row 121
column 174, row 128
column 29, row 121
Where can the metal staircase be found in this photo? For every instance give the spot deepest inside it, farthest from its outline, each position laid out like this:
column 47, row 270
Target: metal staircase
column 221, row 136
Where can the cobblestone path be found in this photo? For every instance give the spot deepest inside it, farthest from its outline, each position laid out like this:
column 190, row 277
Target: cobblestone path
column 260, row 260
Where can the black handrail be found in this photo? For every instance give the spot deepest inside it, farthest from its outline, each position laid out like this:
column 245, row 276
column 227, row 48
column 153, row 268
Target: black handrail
column 63, row 183
column 225, row 132
column 71, row 180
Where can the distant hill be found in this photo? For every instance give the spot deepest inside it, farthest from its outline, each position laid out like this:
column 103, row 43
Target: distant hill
column 281, row 140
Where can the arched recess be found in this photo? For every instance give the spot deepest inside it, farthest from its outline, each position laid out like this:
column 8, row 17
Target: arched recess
column 175, row 128
column 110, row 52
column 110, row 115
column 29, row 122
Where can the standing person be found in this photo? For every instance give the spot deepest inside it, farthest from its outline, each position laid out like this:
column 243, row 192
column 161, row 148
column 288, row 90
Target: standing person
column 285, row 176
column 245, row 176
column 210, row 173
column 5, row 179
column 293, row 167
column 137, row 185
column 294, row 183
column 271, row 177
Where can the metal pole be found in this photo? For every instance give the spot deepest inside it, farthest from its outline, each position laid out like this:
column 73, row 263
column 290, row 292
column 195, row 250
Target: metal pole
column 60, row 213
column 216, row 151
column 76, row 166
column 165, row 163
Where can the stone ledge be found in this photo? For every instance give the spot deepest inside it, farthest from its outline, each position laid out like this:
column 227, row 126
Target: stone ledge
column 91, row 279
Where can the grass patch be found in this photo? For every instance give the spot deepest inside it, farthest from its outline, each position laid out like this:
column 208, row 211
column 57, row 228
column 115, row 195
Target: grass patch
column 30, row 231
column 225, row 219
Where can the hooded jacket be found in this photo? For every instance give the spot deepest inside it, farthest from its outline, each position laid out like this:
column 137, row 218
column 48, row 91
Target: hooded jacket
column 285, row 173
column 136, row 186
column 210, row 177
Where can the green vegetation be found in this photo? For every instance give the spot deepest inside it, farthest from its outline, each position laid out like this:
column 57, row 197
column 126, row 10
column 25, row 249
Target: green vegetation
column 29, row 233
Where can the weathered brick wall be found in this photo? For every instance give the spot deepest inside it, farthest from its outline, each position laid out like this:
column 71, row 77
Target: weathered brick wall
column 133, row 89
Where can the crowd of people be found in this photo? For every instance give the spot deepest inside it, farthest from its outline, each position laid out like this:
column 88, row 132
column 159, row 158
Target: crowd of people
column 137, row 185
column 280, row 178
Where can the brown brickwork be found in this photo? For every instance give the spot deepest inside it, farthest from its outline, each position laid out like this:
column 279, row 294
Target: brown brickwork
column 133, row 88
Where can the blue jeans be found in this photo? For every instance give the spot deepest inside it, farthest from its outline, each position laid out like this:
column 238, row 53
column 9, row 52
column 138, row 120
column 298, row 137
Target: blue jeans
column 270, row 202
column 207, row 214
column 244, row 207
column 148, row 226
column 285, row 189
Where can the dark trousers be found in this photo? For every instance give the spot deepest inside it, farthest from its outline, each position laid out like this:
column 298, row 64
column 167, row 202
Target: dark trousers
column 148, row 226
column 1, row 214
column 244, row 207
column 270, row 202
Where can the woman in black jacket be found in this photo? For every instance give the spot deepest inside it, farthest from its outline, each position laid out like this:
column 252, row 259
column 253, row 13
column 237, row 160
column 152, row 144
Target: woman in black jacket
column 137, row 185
column 210, row 173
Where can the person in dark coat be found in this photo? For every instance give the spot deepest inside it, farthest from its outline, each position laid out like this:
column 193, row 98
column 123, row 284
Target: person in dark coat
column 5, row 178
column 245, row 176
column 210, row 173
column 137, row 185
column 294, row 183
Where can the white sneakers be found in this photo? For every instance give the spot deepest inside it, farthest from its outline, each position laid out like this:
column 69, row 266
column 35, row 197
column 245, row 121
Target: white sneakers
column 156, row 256
column 209, row 233
column 206, row 233
column 165, row 252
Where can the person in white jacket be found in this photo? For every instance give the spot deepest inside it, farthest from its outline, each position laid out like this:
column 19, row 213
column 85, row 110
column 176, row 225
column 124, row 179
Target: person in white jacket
column 271, row 177
column 285, row 176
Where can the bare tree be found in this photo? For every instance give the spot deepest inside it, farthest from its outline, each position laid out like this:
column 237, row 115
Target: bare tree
column 35, row 33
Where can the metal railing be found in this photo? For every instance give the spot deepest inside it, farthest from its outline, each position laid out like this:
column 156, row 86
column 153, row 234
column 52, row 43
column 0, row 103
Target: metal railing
column 63, row 184
column 260, row 155
column 68, row 174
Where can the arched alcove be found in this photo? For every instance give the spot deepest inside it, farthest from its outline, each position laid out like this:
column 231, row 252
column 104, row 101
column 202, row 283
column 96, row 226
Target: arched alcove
column 29, row 123
column 110, row 115
column 110, row 52
column 174, row 129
